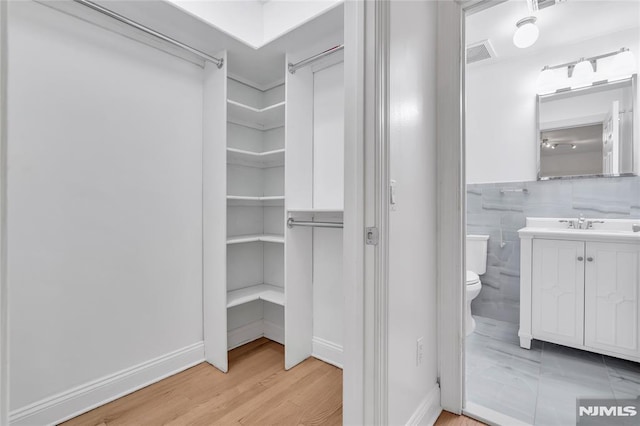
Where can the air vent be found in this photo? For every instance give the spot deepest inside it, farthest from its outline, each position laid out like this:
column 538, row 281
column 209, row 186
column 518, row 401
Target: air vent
column 543, row 4
column 480, row 51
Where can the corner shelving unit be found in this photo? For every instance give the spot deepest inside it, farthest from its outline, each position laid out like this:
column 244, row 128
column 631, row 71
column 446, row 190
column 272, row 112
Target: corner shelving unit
column 273, row 158
column 266, row 118
column 255, row 213
column 266, row 292
column 265, row 238
column 244, row 200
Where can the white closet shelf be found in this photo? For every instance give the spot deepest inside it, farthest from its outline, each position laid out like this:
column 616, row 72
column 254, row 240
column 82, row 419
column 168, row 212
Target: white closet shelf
column 241, row 200
column 339, row 211
column 266, row 238
column 241, row 157
column 266, row 292
column 267, row 118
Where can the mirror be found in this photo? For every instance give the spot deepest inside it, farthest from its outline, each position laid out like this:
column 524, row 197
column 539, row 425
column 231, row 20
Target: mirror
column 588, row 131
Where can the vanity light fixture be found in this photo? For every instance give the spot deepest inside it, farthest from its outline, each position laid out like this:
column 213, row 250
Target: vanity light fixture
column 585, row 72
column 547, row 80
column 582, row 73
column 526, row 33
column 623, row 65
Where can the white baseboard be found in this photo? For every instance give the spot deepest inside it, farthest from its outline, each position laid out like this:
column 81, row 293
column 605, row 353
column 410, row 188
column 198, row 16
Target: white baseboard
column 253, row 331
column 489, row 416
column 245, row 334
column 429, row 409
column 274, row 332
column 83, row 398
column 327, row 351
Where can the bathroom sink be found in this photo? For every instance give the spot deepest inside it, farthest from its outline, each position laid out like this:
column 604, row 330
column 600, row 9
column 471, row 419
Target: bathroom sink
column 593, row 229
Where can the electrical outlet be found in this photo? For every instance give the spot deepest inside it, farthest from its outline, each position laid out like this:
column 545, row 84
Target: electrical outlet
column 419, row 351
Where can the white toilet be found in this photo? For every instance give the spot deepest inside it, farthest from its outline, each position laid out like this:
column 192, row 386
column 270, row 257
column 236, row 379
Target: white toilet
column 476, row 265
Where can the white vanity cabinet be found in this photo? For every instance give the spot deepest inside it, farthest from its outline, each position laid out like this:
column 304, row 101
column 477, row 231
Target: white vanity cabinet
column 579, row 288
column 557, row 291
column 611, row 297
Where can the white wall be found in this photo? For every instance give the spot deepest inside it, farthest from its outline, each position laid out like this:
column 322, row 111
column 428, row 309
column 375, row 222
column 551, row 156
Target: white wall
column 501, row 108
column 328, row 138
column 105, row 238
column 282, row 16
column 412, row 231
column 240, row 19
column 328, row 193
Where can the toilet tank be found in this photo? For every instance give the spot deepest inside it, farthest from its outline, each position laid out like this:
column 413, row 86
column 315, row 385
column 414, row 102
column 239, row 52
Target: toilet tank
column 477, row 253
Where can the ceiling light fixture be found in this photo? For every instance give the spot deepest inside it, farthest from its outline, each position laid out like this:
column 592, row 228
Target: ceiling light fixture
column 526, row 33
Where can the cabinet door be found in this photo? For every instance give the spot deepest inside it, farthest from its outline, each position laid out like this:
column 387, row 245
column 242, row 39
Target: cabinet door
column 611, row 297
column 557, row 291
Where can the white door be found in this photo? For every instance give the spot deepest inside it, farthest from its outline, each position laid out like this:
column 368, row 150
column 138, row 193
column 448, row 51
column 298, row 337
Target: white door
column 611, row 297
column 557, row 291
column 610, row 140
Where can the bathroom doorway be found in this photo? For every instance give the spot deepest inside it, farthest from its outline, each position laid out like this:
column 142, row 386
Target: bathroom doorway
column 552, row 201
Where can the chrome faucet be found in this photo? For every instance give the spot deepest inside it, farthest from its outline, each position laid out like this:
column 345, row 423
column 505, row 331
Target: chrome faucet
column 570, row 223
column 591, row 222
column 580, row 223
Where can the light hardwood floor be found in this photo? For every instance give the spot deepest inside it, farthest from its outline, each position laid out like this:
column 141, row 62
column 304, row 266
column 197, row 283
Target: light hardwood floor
column 256, row 391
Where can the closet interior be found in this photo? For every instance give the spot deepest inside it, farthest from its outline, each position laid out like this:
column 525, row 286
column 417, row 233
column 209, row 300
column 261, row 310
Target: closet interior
column 284, row 171
column 196, row 178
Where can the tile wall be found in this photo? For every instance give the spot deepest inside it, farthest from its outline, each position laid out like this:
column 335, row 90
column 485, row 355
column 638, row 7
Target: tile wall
column 500, row 215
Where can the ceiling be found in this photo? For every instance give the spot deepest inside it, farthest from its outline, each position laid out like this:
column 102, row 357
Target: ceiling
column 564, row 23
column 585, row 138
column 255, row 22
column 264, row 66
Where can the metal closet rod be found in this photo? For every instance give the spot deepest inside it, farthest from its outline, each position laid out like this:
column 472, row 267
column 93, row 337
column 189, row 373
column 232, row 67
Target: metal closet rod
column 294, row 67
column 291, row 223
column 218, row 61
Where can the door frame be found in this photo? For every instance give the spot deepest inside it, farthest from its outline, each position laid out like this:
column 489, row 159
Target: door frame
column 4, row 337
column 451, row 197
column 364, row 267
column 451, row 175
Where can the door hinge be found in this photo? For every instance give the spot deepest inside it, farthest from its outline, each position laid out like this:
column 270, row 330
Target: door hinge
column 371, row 236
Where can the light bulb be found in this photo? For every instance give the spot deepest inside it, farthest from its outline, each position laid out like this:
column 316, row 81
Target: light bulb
column 582, row 74
column 623, row 65
column 527, row 32
column 547, row 81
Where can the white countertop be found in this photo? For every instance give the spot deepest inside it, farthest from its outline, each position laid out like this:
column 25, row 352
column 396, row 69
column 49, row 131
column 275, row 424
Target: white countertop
column 613, row 230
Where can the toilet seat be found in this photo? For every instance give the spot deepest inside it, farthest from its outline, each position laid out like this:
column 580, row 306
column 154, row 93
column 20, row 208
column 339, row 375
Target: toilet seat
column 472, row 278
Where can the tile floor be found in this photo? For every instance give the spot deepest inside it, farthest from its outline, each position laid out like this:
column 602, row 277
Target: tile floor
column 539, row 386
